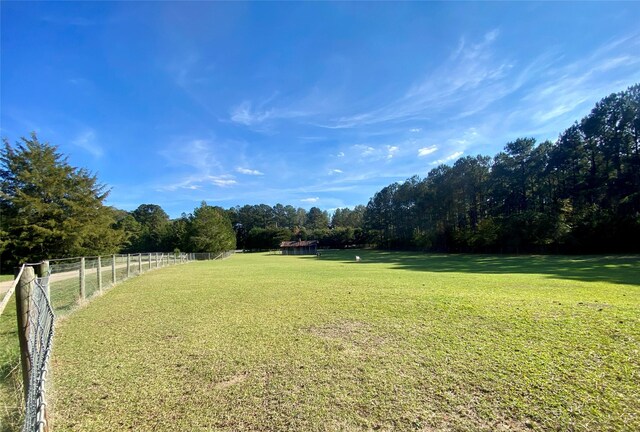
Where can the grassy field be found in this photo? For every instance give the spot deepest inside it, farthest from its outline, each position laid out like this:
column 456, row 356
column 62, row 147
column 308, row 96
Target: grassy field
column 9, row 370
column 65, row 299
column 395, row 342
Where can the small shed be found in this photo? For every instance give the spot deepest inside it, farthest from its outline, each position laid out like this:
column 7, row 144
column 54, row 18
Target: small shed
column 309, row 247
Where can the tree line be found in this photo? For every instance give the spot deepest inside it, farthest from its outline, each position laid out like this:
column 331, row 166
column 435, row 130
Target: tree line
column 249, row 227
column 260, row 227
column 50, row 209
column 580, row 193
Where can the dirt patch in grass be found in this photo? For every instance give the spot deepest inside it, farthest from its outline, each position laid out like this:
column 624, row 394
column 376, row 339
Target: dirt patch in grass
column 353, row 332
column 235, row 379
column 595, row 305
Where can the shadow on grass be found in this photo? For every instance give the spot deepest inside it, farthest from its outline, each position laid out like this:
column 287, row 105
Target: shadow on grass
column 615, row 269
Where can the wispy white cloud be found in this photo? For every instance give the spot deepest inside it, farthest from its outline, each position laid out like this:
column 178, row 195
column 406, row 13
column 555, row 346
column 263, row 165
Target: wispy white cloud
column 377, row 153
column 197, row 153
column 191, row 74
column 246, row 115
column 364, row 150
column 310, row 200
column 577, row 86
column 449, row 158
column 425, row 151
column 477, row 77
column 248, row 171
column 340, row 154
column 198, row 182
column 86, row 140
column 472, row 74
column 222, row 181
column 335, row 171
column 567, row 92
column 197, row 157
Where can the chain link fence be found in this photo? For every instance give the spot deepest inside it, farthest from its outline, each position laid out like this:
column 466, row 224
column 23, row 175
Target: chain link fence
column 62, row 286
column 39, row 336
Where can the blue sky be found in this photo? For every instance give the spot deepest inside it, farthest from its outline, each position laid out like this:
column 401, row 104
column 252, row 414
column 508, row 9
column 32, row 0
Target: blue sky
column 308, row 104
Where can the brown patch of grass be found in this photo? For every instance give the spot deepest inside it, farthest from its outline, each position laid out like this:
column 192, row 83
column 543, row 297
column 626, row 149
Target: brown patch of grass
column 353, row 332
column 235, row 379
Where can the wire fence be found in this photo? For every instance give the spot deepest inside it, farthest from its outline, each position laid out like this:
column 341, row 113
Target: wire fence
column 75, row 280
column 61, row 286
column 39, row 338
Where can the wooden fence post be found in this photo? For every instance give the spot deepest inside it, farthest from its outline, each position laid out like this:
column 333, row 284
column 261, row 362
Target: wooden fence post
column 140, row 263
column 113, row 270
column 23, row 300
column 83, row 293
column 99, row 264
column 128, row 266
column 149, row 261
column 43, row 271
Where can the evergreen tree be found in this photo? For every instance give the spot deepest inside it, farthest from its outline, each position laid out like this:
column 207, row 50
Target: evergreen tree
column 317, row 219
column 51, row 209
column 154, row 229
column 211, row 230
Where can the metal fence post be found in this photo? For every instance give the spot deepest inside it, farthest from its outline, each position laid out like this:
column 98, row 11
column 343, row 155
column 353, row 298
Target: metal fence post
column 99, row 265
column 113, row 270
column 23, row 299
column 82, row 279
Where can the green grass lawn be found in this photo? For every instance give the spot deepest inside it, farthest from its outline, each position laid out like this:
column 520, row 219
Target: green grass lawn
column 65, row 298
column 395, row 342
column 6, row 277
column 10, row 390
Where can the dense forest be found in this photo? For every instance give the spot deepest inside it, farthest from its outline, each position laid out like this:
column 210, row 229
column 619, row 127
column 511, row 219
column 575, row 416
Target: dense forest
column 580, row 194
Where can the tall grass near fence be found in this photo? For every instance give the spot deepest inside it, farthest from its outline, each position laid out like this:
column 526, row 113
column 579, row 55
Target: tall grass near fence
column 72, row 283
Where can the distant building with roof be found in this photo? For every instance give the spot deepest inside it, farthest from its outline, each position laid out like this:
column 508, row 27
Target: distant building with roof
column 307, row 247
